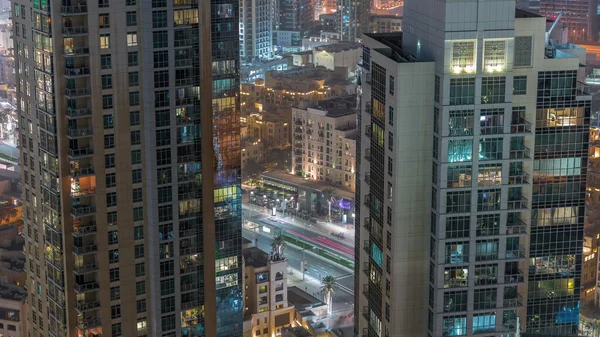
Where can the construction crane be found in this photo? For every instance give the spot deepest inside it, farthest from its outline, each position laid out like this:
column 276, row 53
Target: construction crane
column 550, row 48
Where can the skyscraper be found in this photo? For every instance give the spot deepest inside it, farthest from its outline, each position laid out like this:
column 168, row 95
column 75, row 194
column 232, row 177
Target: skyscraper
column 352, row 18
column 133, row 219
column 471, row 221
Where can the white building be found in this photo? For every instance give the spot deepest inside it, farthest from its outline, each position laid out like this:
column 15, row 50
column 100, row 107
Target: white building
column 324, row 144
column 256, row 30
column 343, row 54
column 471, row 185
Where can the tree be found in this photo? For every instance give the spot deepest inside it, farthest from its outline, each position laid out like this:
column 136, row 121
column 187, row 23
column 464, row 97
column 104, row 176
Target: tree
column 328, row 194
column 252, row 169
column 8, row 211
column 278, row 246
column 328, row 287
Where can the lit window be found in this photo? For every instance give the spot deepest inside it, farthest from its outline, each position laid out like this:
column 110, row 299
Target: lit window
column 131, row 39
column 463, row 57
column 494, row 56
column 104, row 41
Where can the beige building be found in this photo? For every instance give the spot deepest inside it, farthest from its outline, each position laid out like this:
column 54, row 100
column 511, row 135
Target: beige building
column 271, row 128
column 266, row 308
column 324, row 143
column 338, row 55
column 290, row 87
column 13, row 311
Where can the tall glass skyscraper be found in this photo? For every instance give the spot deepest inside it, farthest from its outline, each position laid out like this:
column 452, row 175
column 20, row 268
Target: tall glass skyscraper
column 129, row 117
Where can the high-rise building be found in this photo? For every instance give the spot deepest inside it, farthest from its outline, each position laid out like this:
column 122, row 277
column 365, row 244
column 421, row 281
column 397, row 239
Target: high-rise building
column 293, row 21
column 352, row 18
column 471, row 221
column 133, row 220
column 256, row 30
column 578, row 17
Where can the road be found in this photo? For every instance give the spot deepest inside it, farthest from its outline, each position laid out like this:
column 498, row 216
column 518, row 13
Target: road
column 318, row 234
column 318, row 267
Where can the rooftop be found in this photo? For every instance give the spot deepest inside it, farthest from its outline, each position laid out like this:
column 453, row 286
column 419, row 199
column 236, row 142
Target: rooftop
column 338, row 47
column 392, row 40
column 301, row 299
column 255, row 257
column 522, row 14
column 338, row 106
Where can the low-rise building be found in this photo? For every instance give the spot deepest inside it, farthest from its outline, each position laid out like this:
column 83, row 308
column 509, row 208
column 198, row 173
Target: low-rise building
column 271, row 128
column 324, row 141
column 13, row 311
column 267, row 311
column 253, row 149
column 338, row 55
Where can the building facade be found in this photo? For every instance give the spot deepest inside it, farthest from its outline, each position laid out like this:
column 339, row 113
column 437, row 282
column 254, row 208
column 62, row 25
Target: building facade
column 132, row 215
column 324, row 141
column 352, row 17
column 494, row 239
column 256, row 30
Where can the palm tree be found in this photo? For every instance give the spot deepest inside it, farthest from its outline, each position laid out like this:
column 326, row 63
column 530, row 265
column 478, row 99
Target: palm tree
column 7, row 211
column 278, row 246
column 328, row 194
column 328, row 287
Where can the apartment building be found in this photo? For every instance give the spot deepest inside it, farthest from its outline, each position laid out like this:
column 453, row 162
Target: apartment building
column 472, row 181
column 256, row 30
column 385, row 23
column 13, row 310
column 324, row 144
column 273, row 129
column 352, row 18
column 113, row 97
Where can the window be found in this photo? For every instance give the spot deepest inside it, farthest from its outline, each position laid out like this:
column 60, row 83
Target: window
column 136, row 176
column 457, row 227
column 103, row 3
column 486, row 274
column 114, row 275
column 131, row 18
column 462, row 91
column 392, row 85
column 105, row 62
column 161, row 99
column 140, row 269
column 460, row 150
column 167, row 287
column 484, row 299
column 138, row 213
column 163, row 175
column 140, row 287
column 106, row 81
column 486, row 250
column 136, row 157
column 165, row 194
column 130, row 2
column 493, row 90
column 455, row 301
column 141, row 306
column 454, row 325
column 160, row 39
column 484, row 323
column 161, row 79
column 390, row 141
column 115, row 293
column 459, row 176
column 391, row 115
column 107, row 101
column 138, row 232
column 111, row 199
column 136, row 137
column 134, row 78
column 132, row 58
column 494, row 56
column 523, row 47
column 113, row 237
column 457, row 252
column 109, row 160
column 162, row 118
column 115, row 311
column 167, row 305
column 109, row 141
column 520, row 85
column 132, row 39
column 137, row 194
column 159, row 19
column 159, row 3
column 161, row 59
column 111, row 179
column 134, row 98
column 108, row 121
column 490, row 149
column 139, row 251
column 113, row 256
column 104, row 20
column 458, row 202
column 436, row 94
column 388, row 264
column 134, row 118
column 390, row 166
column 104, row 41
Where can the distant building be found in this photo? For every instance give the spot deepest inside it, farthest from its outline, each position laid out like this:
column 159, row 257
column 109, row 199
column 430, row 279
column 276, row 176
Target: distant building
column 324, row 141
column 294, row 21
column 352, row 18
column 253, row 149
column 385, row 23
column 13, row 311
column 324, row 38
column 267, row 310
column 272, row 129
column 256, row 30
column 257, row 70
column 343, row 54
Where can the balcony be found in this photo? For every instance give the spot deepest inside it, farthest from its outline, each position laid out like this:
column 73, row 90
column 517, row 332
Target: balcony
column 368, row 178
column 513, row 277
column 520, row 203
column 80, row 9
column 515, row 254
column 366, row 268
column 78, row 113
column 367, row 223
column 515, row 227
column 366, row 246
column 518, row 178
column 365, row 312
column 77, row 51
column 74, row 31
column 88, row 323
column 86, row 268
column 522, row 153
column 81, row 171
column 520, row 126
column 182, row 3
column 88, row 229
column 79, row 133
column 183, row 63
column 86, row 305
column 83, row 192
column 583, row 90
column 368, row 154
column 85, row 249
column 189, row 287
column 365, row 290
column 80, row 153
column 368, row 131
column 86, row 287
column 367, row 201
column 81, row 211
column 77, row 72
column 514, row 302
column 78, row 93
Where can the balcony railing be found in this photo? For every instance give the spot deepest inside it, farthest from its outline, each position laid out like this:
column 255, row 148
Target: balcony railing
column 583, row 89
column 82, row 171
column 78, row 113
column 79, row 92
column 517, row 178
column 82, row 306
column 74, row 10
column 366, row 246
column 83, row 192
column 87, row 249
column 367, row 201
column 80, row 152
column 515, row 276
column 80, row 133
column 77, row 71
column 88, row 323
column 86, row 287
column 77, row 51
column 520, row 126
column 69, row 31
column 513, row 302
column 366, row 289
column 89, row 228
column 80, row 211
column 516, row 229
column 85, row 268
column 368, row 154
column 366, row 268
column 515, row 254
column 520, row 203
column 523, row 153
column 368, row 177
